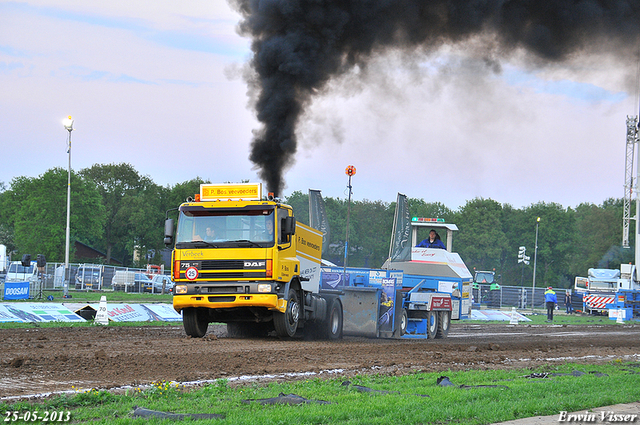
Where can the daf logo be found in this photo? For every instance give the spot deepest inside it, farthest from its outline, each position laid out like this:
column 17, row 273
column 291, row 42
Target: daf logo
column 255, row 264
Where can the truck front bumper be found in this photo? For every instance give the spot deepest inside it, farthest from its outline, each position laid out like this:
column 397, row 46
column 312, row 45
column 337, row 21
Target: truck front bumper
column 270, row 301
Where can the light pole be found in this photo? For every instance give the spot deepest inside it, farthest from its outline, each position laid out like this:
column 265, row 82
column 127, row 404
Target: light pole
column 68, row 124
column 350, row 171
column 535, row 260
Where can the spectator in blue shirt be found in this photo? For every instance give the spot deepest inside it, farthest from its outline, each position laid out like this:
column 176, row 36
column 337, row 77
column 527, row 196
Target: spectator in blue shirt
column 433, row 241
column 551, row 300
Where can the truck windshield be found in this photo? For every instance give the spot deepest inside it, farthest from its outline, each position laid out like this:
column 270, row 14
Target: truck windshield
column 208, row 228
column 19, row 268
column 484, row 277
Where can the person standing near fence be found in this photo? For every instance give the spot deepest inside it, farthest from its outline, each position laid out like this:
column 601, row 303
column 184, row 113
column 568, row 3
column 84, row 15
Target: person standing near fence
column 567, row 302
column 551, row 300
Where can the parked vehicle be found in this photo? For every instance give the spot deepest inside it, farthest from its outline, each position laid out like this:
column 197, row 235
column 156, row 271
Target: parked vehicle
column 162, row 279
column 19, row 273
column 89, row 277
column 130, row 281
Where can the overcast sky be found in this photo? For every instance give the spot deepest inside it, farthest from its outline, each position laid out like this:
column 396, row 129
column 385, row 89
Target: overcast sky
column 158, row 84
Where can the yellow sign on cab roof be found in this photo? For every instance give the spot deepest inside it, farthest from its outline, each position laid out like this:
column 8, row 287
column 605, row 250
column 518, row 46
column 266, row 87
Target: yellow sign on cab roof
column 223, row 192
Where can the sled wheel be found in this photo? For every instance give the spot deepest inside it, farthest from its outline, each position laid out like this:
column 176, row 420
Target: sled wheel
column 444, row 322
column 432, row 324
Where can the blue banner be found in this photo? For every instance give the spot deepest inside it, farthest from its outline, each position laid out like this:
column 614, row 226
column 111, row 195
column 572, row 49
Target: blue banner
column 387, row 302
column 16, row 290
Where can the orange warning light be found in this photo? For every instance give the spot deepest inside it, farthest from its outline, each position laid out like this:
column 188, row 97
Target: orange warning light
column 351, row 170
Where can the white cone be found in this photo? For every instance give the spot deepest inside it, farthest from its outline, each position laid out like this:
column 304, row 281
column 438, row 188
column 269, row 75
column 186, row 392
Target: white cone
column 102, row 318
column 514, row 317
column 620, row 319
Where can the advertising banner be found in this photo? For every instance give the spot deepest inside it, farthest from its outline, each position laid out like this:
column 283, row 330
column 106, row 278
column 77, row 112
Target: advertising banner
column 140, row 312
column 400, row 249
column 41, row 312
column 16, row 290
column 6, row 316
column 334, row 280
column 53, row 312
column 318, row 216
column 164, row 312
column 387, row 301
column 496, row 315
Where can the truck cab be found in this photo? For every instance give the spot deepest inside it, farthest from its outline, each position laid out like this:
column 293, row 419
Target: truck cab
column 19, row 273
column 245, row 261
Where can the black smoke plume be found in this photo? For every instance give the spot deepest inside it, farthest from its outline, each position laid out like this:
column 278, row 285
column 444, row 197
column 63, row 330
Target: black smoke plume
column 299, row 45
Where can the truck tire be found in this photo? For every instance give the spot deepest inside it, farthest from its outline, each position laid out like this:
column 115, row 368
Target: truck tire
column 333, row 325
column 444, row 322
column 404, row 322
column 286, row 323
column 432, row 324
column 194, row 322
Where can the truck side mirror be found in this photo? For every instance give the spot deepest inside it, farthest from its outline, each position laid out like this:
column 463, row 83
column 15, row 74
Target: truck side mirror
column 289, row 226
column 168, row 231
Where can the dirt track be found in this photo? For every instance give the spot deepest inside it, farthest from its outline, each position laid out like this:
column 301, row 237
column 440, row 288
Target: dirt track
column 55, row 359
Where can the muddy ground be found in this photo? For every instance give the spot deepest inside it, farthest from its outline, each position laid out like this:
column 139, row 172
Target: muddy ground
column 41, row 360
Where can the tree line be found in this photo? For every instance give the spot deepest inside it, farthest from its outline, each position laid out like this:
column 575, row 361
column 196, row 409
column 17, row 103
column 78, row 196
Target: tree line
column 116, row 210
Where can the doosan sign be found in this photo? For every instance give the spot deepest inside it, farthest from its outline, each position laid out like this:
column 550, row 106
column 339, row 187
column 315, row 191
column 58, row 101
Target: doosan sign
column 16, row 290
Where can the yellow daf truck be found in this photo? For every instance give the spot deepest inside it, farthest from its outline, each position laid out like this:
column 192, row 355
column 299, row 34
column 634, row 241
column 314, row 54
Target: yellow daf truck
column 243, row 260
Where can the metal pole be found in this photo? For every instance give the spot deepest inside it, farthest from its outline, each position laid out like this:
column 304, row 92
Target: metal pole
column 66, row 249
column 346, row 243
column 637, row 217
column 535, row 260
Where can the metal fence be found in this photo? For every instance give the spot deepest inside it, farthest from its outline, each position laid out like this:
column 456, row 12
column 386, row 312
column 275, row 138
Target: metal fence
column 89, row 277
column 519, row 297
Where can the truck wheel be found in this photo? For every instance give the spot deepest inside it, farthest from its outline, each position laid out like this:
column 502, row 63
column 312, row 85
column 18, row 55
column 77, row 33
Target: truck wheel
column 432, row 324
column 195, row 325
column 404, row 322
column 333, row 324
column 444, row 322
column 286, row 323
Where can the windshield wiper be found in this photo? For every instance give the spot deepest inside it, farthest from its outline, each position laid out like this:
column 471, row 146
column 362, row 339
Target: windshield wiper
column 252, row 243
column 198, row 244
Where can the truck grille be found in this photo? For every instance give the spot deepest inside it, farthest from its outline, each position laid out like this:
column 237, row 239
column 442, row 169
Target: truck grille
column 222, row 299
column 232, row 275
column 228, row 269
column 222, row 265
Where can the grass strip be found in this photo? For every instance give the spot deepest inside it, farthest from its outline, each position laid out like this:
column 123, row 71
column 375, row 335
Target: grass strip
column 516, row 397
column 558, row 319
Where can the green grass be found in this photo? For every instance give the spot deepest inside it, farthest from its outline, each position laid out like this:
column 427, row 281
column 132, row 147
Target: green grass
column 540, row 318
column 522, row 398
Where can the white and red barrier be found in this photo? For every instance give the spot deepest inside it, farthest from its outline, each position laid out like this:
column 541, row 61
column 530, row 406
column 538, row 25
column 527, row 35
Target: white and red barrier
column 598, row 302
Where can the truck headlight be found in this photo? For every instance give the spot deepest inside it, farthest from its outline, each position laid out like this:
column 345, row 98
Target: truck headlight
column 264, row 287
column 180, row 289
